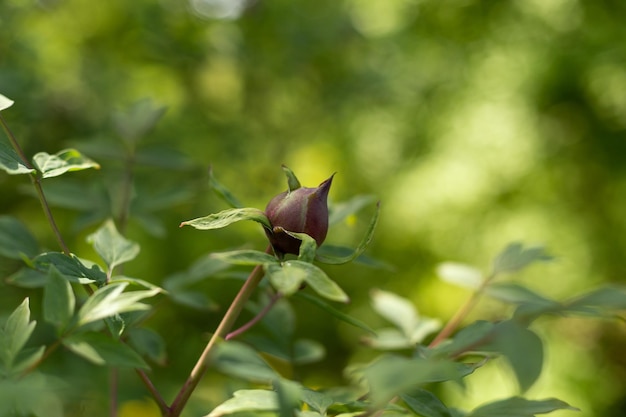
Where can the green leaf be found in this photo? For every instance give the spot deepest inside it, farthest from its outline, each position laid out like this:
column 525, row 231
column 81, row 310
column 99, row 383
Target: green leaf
column 192, row 299
column 289, row 395
column 16, row 240
column 63, row 161
column 520, row 407
column 5, row 102
column 470, row 338
column 398, row 310
column 308, row 246
column 11, row 162
column 33, row 395
column 340, row 211
column 292, row 180
column 241, row 361
column 334, row 312
column 72, row 267
column 509, row 292
column 247, row 400
column 599, row 301
column 114, row 248
column 425, row 404
column 15, row 333
column 318, row 401
column 306, row 351
column 27, row 358
column 319, row 281
column 58, row 299
column 460, row 274
column 516, row 257
column 367, row 238
column 136, row 121
column 330, row 254
column 285, row 278
column 522, row 348
column 223, row 192
column 228, row 217
column 99, row 349
column 28, row 278
column 149, row 343
column 245, row 257
column 109, row 300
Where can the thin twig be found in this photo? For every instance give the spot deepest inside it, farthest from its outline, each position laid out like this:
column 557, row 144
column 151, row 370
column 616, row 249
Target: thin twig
column 156, row 395
column 256, row 318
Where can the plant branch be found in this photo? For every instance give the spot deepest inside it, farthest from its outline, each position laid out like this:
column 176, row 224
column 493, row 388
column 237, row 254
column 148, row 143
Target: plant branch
column 256, row 318
column 222, row 330
column 165, row 410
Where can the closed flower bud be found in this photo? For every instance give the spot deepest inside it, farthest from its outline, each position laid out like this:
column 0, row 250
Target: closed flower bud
column 300, row 210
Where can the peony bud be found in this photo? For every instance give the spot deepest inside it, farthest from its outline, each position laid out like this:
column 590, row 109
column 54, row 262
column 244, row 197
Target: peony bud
column 299, row 210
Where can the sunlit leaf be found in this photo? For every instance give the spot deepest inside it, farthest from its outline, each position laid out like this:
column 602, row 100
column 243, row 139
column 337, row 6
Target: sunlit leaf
column 110, row 300
column 520, row 407
column 245, row 257
column 15, row 239
column 334, row 312
column 241, row 361
column 460, row 274
column 15, row 333
column 247, row 400
column 11, row 162
column 515, row 257
column 367, row 238
column 99, row 349
column 5, row 102
column 425, row 403
column 317, row 401
column 58, row 299
column 63, row 161
column 112, row 247
column 228, row 217
column 398, row 310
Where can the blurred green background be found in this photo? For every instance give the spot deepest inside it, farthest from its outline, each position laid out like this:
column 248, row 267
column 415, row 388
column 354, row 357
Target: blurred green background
column 476, row 123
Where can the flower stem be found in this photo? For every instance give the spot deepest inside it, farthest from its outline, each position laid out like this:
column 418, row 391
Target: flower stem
column 222, row 330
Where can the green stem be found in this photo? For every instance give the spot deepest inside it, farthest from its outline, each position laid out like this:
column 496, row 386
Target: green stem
column 222, row 330
column 36, row 179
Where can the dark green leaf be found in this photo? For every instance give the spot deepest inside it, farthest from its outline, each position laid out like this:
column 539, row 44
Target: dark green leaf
column 470, row 338
column 28, row 278
column 520, row 407
column 239, row 360
column 114, row 248
column 367, row 238
column 102, row 350
column 34, row 395
column 11, row 162
column 228, row 217
column 149, row 343
column 515, row 257
column 289, row 394
column 73, row 268
column 58, row 299
column 192, row 299
column 15, row 333
column 318, row 401
column 599, row 300
column 425, row 403
column 245, row 257
column 27, row 358
column 334, row 312
column 307, row 351
column 63, row 161
column 330, row 254
column 292, row 180
column 223, row 192
column 15, row 239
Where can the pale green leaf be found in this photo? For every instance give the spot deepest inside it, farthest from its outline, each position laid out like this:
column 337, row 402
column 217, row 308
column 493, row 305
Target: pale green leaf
column 109, row 300
column 319, row 281
column 245, row 257
column 99, row 349
column 247, row 400
column 520, row 407
column 398, row 310
column 27, row 358
column 317, row 401
column 5, row 102
column 16, row 240
column 63, row 161
column 15, row 333
column 11, row 162
column 114, row 248
column 285, row 278
column 289, row 394
column 515, row 257
column 58, row 299
column 228, row 217
column 460, row 274
column 308, row 246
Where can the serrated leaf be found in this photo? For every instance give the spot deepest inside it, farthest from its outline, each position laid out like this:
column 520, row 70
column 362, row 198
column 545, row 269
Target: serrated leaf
column 515, row 257
column 241, row 361
column 109, row 300
column 112, row 247
column 15, row 333
column 227, row 217
column 15, row 239
column 5, row 102
column 11, row 162
column 245, row 257
column 367, row 238
column 149, row 343
column 425, row 403
column 102, row 350
column 460, row 274
column 247, row 400
column 223, row 192
column 334, row 312
column 520, row 407
column 58, row 299
column 63, row 161
column 72, row 267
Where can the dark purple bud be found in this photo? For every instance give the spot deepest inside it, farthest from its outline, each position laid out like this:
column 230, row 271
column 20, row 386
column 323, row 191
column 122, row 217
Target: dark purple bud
column 301, row 210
